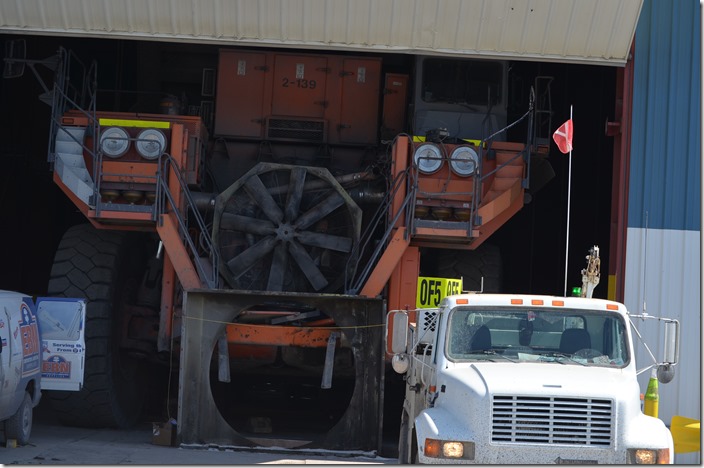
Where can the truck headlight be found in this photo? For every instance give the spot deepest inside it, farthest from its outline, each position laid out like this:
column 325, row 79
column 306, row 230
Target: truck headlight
column 114, row 142
column 428, row 158
column 150, row 143
column 464, row 161
column 649, row 456
column 448, row 449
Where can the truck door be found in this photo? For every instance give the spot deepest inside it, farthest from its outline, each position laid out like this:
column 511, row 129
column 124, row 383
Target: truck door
column 4, row 356
column 20, row 352
column 61, row 327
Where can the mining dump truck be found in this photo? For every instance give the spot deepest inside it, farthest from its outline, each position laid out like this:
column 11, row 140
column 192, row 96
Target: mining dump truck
column 256, row 253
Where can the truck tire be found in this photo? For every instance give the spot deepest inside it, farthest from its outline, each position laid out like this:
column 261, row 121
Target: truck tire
column 105, row 267
column 414, row 449
column 471, row 266
column 403, row 441
column 19, row 426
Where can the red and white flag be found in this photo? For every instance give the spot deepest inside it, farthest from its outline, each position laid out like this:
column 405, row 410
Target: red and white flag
column 563, row 137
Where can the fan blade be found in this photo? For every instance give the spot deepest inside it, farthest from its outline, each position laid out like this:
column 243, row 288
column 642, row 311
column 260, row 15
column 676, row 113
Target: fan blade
column 246, row 259
column 307, row 265
column 318, row 212
column 256, row 189
column 325, row 241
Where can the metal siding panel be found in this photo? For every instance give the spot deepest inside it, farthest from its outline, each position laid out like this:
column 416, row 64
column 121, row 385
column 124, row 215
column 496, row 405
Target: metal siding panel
column 579, row 31
column 360, row 12
column 663, row 270
column 665, row 178
column 519, row 17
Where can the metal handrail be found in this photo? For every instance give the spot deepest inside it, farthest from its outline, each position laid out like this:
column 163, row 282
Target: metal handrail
column 163, row 194
column 65, row 96
column 82, row 99
column 380, row 215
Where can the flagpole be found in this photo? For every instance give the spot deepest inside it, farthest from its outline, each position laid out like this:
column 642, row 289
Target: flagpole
column 569, row 192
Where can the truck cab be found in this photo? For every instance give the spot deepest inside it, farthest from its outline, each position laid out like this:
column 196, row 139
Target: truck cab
column 467, row 98
column 508, row 379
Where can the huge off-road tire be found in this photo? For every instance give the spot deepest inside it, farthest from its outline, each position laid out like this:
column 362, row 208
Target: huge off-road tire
column 106, row 268
column 471, row 266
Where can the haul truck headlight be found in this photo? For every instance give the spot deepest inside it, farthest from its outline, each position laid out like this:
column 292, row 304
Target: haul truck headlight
column 649, row 456
column 435, row 448
column 428, row 158
column 464, row 161
column 151, row 143
column 114, row 142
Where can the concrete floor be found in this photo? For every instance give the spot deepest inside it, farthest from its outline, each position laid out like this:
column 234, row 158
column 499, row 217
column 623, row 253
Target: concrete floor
column 54, row 444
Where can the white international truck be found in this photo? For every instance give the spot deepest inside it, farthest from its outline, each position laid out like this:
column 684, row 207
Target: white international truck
column 514, row 379
column 41, row 348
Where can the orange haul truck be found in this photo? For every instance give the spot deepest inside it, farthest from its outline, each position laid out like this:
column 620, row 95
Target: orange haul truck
column 254, row 245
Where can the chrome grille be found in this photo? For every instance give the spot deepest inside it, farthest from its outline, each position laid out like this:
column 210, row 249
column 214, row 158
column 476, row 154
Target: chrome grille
column 552, row 420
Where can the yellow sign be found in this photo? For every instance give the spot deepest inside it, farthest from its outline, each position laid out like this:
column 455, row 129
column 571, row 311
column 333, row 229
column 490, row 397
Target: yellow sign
column 420, row 139
column 431, row 291
column 134, row 123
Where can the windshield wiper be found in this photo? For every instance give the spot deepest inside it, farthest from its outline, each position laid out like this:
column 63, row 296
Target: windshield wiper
column 557, row 355
column 491, row 352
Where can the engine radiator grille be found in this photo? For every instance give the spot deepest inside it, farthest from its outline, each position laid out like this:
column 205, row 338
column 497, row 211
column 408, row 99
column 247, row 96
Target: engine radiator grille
column 552, row 420
column 296, row 130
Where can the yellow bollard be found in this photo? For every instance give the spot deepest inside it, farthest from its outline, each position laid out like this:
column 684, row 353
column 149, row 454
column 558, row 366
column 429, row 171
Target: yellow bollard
column 651, row 396
column 685, row 434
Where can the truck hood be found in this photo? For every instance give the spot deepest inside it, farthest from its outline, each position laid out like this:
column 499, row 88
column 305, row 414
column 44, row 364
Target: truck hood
column 540, row 379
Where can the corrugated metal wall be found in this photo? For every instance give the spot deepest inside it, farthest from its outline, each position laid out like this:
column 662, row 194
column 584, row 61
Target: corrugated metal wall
column 663, row 248
column 579, row 31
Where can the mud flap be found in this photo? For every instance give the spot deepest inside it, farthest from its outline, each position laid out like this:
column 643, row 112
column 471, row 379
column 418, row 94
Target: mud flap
column 206, row 314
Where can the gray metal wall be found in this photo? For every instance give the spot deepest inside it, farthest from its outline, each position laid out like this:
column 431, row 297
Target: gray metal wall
column 663, row 247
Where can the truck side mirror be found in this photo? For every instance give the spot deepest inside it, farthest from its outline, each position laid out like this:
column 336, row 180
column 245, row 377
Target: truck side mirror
column 666, row 370
column 399, row 332
column 672, row 342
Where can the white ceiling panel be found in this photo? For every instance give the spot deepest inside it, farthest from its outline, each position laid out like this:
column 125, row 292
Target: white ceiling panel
column 579, row 31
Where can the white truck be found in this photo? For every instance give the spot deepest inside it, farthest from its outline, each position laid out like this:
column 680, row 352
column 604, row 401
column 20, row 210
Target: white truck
column 514, row 379
column 41, row 348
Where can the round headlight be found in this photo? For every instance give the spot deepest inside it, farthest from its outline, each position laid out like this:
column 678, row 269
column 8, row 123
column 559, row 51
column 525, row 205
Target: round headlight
column 114, row 142
column 428, row 158
column 464, row 161
column 151, row 143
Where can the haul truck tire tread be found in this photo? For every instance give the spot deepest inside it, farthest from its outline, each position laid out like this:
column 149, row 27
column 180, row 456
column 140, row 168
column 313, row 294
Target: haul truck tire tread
column 97, row 265
column 471, row 265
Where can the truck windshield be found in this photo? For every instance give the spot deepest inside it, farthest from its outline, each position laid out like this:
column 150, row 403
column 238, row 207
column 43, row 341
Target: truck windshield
column 566, row 336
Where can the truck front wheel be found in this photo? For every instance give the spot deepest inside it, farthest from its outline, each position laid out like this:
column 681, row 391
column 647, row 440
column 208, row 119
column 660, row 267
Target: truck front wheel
column 414, row 448
column 403, row 441
column 105, row 267
column 19, row 426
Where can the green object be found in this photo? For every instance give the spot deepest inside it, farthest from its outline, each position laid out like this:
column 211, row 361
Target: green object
column 576, row 291
column 651, row 396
